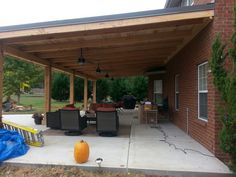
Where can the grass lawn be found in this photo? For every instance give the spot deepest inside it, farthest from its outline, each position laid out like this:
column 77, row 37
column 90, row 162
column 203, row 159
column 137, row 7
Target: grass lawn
column 37, row 103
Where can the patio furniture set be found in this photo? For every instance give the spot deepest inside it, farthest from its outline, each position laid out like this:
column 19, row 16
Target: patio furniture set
column 71, row 120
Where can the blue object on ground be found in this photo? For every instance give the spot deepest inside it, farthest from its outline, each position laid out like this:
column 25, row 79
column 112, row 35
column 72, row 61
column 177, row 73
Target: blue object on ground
column 12, row 145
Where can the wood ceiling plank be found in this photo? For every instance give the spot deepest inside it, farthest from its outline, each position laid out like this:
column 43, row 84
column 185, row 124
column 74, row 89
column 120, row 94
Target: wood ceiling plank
column 124, row 57
column 118, row 41
column 52, row 38
column 109, row 50
column 123, row 63
column 33, row 59
column 187, row 39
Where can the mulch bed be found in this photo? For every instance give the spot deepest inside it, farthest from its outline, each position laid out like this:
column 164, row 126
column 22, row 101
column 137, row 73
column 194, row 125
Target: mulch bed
column 19, row 171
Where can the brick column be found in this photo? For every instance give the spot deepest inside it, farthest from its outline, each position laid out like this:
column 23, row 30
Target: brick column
column 223, row 24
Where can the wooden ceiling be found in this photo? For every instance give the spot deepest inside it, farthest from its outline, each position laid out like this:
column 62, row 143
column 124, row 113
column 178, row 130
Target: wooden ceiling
column 121, row 47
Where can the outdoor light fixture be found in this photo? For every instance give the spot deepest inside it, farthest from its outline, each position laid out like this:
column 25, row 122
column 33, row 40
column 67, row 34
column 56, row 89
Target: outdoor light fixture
column 98, row 70
column 107, row 75
column 81, row 59
column 99, row 161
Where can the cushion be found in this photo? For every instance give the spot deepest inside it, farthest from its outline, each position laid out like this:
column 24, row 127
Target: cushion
column 106, row 109
column 70, row 105
column 108, row 105
column 70, row 108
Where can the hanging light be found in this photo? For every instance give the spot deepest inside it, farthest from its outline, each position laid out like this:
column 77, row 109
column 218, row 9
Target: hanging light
column 81, row 59
column 107, row 75
column 98, row 70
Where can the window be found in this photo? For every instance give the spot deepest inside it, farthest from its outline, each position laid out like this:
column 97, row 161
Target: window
column 202, row 91
column 157, row 91
column 187, row 3
column 177, row 92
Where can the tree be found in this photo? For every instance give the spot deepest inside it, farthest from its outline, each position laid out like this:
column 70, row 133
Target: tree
column 103, row 89
column 225, row 82
column 140, row 87
column 119, row 88
column 17, row 73
column 60, row 86
column 79, row 89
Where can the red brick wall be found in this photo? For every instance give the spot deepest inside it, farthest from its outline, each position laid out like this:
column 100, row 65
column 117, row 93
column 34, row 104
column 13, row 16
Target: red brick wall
column 185, row 63
column 223, row 24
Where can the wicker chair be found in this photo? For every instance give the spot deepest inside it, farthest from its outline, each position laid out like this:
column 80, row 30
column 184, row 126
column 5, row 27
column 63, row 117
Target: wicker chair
column 107, row 121
column 53, row 120
column 72, row 122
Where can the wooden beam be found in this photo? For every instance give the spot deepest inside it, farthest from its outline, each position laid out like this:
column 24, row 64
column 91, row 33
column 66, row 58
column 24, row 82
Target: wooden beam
column 94, row 91
column 125, row 55
column 115, row 24
column 196, row 30
column 1, row 82
column 47, row 88
column 54, row 38
column 72, row 88
column 116, row 65
column 106, row 42
column 91, row 52
column 16, row 53
column 85, row 93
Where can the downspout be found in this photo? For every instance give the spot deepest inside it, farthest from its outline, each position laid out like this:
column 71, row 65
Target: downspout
column 187, row 111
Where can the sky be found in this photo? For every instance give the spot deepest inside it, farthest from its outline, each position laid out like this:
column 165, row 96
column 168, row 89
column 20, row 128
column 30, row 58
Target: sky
column 15, row 12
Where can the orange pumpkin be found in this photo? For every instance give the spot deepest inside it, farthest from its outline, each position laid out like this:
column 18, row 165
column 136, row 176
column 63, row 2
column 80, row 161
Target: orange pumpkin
column 81, row 152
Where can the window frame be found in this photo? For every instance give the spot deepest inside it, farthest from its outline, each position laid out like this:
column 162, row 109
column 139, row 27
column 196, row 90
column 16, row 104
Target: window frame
column 202, row 91
column 154, row 91
column 176, row 92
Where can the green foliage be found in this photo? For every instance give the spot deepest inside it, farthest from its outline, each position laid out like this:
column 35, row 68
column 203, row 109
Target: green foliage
column 60, row 87
column 119, row 87
column 225, row 82
column 103, row 89
column 17, row 72
column 79, row 89
column 140, row 87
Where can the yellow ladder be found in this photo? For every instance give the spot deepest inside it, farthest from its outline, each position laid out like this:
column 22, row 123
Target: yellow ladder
column 32, row 136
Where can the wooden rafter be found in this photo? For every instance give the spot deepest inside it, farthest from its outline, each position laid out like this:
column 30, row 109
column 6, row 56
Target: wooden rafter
column 33, row 59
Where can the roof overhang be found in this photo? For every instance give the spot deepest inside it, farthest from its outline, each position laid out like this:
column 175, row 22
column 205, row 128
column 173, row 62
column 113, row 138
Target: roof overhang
column 123, row 45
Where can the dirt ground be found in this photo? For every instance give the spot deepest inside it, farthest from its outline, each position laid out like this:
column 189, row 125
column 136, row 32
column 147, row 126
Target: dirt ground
column 18, row 171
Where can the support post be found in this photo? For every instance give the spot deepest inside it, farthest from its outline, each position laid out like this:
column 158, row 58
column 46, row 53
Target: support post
column 47, row 87
column 85, row 93
column 72, row 88
column 94, row 91
column 1, row 82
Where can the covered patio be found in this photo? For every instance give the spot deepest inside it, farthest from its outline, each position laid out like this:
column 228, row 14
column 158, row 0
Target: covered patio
column 120, row 45
column 165, row 150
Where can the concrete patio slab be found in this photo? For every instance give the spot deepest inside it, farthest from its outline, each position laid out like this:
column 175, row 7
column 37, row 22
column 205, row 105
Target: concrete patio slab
column 165, row 149
column 179, row 153
column 57, row 151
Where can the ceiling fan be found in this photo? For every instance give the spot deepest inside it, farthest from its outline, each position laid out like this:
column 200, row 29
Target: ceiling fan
column 81, row 60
